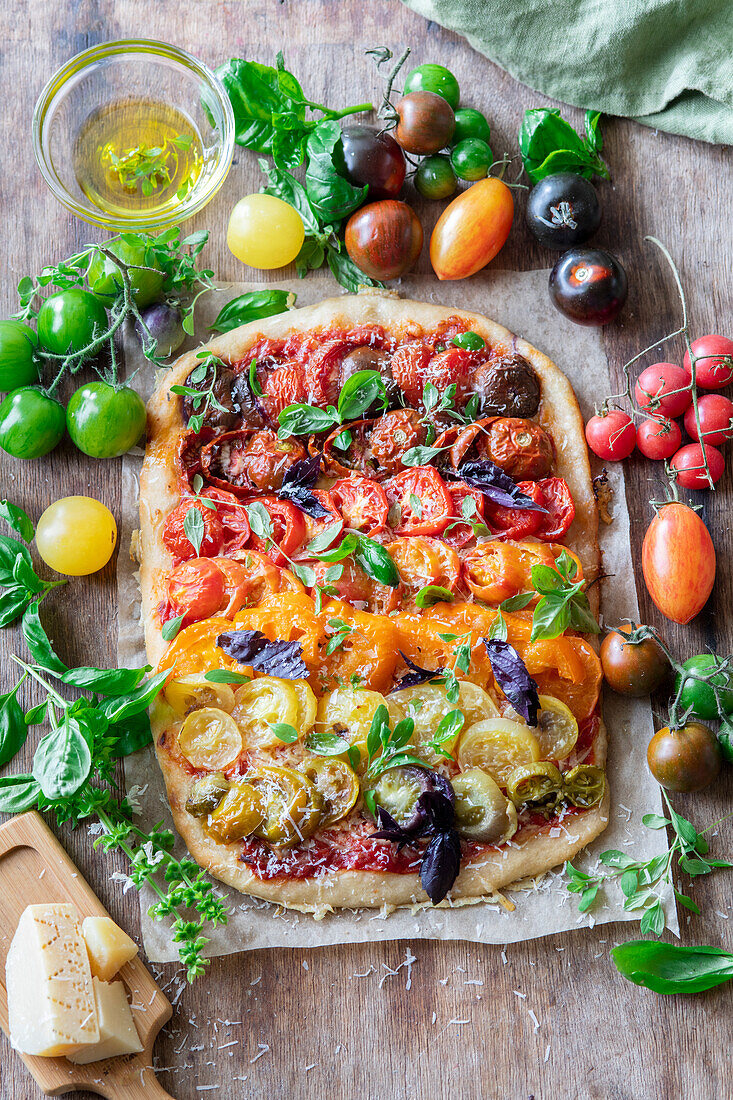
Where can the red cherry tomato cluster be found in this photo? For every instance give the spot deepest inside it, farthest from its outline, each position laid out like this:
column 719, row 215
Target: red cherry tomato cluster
column 664, row 391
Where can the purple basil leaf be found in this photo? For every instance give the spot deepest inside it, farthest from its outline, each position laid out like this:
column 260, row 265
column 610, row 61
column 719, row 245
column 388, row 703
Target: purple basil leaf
column 440, row 865
column 511, row 675
column 437, row 806
column 252, row 647
column 417, row 676
column 494, row 483
column 297, row 483
column 389, row 829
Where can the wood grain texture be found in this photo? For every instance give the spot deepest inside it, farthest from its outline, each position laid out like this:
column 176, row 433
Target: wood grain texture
column 548, row 1018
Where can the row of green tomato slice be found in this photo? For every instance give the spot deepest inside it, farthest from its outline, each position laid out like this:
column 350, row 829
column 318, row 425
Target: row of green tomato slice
column 284, row 805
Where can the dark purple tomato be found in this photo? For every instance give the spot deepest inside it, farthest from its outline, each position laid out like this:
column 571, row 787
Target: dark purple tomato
column 563, row 210
column 366, row 156
column 685, row 759
column 426, row 123
column 384, row 239
column 589, row 286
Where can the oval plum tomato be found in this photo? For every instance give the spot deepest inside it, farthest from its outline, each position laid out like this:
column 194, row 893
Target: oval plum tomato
column 612, row 437
column 176, row 540
column 384, row 239
column 713, row 362
column 516, row 523
column 663, row 388
column 288, row 530
column 196, row 590
column 633, row 668
column 468, row 503
column 689, row 462
column 678, row 561
column 362, row 503
column 685, row 759
column 424, row 503
column 472, row 230
column 658, row 438
column 556, row 499
column 716, row 419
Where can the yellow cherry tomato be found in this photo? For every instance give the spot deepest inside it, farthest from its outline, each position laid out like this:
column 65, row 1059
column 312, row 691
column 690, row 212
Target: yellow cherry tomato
column 265, row 232
column 76, row 536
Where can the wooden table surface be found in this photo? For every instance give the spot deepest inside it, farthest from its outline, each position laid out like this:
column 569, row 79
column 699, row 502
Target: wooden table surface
column 548, row 1018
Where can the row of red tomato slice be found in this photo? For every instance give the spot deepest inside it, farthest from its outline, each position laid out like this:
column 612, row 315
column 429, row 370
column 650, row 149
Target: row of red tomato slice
column 416, row 502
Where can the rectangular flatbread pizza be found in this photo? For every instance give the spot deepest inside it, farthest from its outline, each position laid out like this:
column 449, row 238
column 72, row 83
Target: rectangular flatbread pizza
column 368, row 546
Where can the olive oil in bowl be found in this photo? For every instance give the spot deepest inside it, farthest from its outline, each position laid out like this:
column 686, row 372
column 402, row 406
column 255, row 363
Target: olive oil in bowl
column 137, row 155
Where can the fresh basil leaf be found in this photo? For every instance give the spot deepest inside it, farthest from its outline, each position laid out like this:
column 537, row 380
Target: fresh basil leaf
column 498, row 629
column 375, row 561
column 655, row 821
column 13, row 726
column 36, row 714
column 550, row 619
column 286, row 187
column 62, row 760
column 653, row 921
column 25, row 575
column 581, row 616
column 223, row 676
column 12, row 604
column 39, row 643
column 672, row 968
column 518, row 602
column 359, row 392
column 431, row 594
column 326, row 744
column 332, row 196
column 132, row 734
column 345, row 271
column 284, row 732
column 170, row 629
column 593, row 135
column 120, row 708
column 549, row 144
column 253, row 306
column 193, row 527
column 320, row 543
column 305, row 573
column 440, row 865
column 105, row 681
column 16, row 518
column 419, row 456
column 18, row 793
column 304, row 420
column 449, row 727
column 257, row 92
column 10, row 550
column 510, row 673
column 297, row 485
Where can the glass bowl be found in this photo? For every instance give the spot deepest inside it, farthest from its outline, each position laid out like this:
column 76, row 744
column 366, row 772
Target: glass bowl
column 132, row 71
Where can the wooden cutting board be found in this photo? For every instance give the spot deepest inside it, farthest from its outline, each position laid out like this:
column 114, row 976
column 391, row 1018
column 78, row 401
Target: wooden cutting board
column 34, row 868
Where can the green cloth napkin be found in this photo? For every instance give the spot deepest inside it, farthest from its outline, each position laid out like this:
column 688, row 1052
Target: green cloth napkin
column 666, row 63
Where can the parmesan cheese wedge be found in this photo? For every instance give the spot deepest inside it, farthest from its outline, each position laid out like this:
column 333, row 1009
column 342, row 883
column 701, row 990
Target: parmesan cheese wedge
column 51, row 1006
column 108, row 946
column 117, row 1034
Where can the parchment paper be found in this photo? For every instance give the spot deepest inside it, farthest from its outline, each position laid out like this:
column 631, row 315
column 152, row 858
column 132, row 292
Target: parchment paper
column 520, row 301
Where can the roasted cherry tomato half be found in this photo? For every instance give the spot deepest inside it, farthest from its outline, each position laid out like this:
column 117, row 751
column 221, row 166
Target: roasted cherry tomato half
column 70, row 320
column 557, row 500
column 435, row 178
column 426, row 123
column 689, row 462
column 252, row 461
column 516, row 523
column 469, row 504
column 685, row 759
column 716, row 419
column 105, row 278
column 713, row 362
column 31, row 423
column 663, row 389
column 421, row 498
column 589, row 286
column 422, row 561
column 288, row 527
column 232, row 514
column 175, row 531
column 392, row 435
column 678, row 560
column 105, row 422
column 369, row 157
column 658, row 439
column 634, row 669
column 611, row 436
column 196, row 590
column 434, row 78
column 698, row 696
column 521, row 448
column 17, row 364
column 470, row 123
column 563, row 210
column 362, row 503
column 384, row 239
column 471, row 159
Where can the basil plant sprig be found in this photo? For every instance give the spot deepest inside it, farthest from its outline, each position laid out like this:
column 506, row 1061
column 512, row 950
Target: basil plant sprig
column 563, row 603
column 549, row 144
column 362, row 391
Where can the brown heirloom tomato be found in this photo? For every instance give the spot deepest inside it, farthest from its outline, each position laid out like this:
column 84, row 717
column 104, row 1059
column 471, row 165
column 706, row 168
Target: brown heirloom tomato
column 250, row 461
column 507, row 386
column 384, row 239
column 235, row 407
column 632, row 669
column 392, row 435
column 426, row 123
column 685, row 759
column 521, row 448
column 176, row 540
